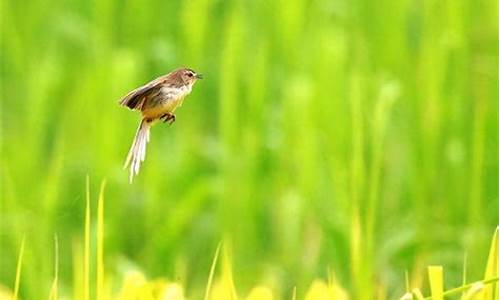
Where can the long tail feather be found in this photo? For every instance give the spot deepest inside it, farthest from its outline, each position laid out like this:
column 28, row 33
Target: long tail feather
column 137, row 152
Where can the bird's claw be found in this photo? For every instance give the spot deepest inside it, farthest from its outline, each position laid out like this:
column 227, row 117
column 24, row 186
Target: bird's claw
column 168, row 118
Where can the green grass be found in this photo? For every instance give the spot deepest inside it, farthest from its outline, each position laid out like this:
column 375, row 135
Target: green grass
column 351, row 137
column 136, row 286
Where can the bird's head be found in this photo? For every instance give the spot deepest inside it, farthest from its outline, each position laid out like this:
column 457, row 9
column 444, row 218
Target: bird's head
column 188, row 76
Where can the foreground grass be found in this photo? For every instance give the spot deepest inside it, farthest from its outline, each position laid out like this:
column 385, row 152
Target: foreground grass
column 136, row 286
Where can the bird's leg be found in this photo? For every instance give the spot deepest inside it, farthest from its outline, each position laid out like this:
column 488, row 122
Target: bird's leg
column 168, row 117
column 171, row 119
column 165, row 117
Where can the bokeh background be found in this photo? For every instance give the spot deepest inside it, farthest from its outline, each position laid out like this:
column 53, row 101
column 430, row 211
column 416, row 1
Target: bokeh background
column 358, row 138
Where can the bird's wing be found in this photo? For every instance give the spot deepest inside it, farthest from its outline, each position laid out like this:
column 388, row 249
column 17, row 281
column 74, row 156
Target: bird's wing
column 168, row 93
column 136, row 98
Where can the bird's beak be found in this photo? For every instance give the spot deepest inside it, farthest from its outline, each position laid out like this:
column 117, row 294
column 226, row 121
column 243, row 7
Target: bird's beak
column 199, row 76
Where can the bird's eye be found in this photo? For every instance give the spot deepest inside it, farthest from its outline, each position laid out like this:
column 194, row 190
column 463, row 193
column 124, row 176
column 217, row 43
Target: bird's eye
column 190, row 74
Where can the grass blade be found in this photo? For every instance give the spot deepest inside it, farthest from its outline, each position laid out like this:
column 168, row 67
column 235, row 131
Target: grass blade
column 86, row 255
column 53, row 290
column 227, row 274
column 78, row 270
column 407, row 281
column 417, row 294
column 406, row 296
column 18, row 269
column 473, row 291
column 436, row 282
column 100, row 243
column 491, row 291
column 467, row 287
column 212, row 271
column 464, row 272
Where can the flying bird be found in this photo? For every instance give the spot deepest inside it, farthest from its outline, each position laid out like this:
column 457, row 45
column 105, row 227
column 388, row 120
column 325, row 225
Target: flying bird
column 156, row 100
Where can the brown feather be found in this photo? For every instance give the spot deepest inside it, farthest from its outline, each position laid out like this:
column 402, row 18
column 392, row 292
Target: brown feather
column 135, row 99
column 156, row 99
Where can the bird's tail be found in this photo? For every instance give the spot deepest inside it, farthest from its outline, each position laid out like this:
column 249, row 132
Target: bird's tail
column 137, row 152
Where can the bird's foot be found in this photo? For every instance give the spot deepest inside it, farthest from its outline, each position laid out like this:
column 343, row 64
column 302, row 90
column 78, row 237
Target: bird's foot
column 168, row 118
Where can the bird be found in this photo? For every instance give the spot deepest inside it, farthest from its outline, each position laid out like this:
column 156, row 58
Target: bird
column 156, row 100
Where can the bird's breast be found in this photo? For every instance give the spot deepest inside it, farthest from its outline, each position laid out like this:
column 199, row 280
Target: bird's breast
column 166, row 101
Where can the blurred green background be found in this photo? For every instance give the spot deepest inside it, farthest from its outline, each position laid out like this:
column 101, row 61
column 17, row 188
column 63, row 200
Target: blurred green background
column 359, row 137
